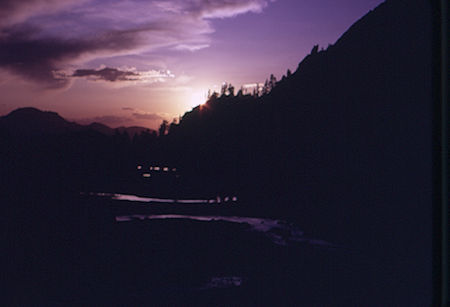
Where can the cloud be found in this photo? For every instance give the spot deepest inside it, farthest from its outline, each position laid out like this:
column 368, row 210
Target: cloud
column 115, row 75
column 40, row 40
column 226, row 8
column 147, row 116
column 137, row 118
column 191, row 47
column 14, row 11
column 127, row 109
column 108, row 74
column 40, row 59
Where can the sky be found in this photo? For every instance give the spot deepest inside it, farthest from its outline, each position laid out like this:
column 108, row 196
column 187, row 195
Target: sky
column 137, row 62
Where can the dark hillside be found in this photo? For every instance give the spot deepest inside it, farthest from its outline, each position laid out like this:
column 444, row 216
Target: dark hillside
column 343, row 144
column 31, row 121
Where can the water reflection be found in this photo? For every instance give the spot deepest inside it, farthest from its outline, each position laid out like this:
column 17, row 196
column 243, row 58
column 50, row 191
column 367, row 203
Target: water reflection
column 137, row 198
column 128, row 197
column 278, row 231
column 157, row 168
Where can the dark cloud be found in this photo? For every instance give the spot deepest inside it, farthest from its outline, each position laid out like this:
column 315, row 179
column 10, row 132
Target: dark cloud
column 14, row 11
column 147, row 116
column 116, row 75
column 127, row 109
column 42, row 48
column 108, row 74
column 40, row 59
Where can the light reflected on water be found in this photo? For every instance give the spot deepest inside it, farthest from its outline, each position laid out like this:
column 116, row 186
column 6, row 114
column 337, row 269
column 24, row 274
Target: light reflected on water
column 278, row 231
column 157, row 168
column 137, row 198
column 127, row 197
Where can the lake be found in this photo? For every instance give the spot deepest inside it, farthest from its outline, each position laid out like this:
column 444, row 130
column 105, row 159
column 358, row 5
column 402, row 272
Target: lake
column 223, row 259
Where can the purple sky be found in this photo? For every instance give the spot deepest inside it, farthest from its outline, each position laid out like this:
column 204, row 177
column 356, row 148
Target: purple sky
column 136, row 62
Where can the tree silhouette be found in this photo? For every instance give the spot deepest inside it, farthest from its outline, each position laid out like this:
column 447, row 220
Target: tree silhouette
column 266, row 87
column 223, row 89
column 230, row 90
column 163, row 128
column 241, row 92
column 256, row 90
column 214, row 96
column 272, row 82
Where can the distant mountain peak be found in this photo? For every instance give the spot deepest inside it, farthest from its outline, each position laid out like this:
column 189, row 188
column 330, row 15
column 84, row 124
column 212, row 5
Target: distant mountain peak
column 31, row 111
column 32, row 121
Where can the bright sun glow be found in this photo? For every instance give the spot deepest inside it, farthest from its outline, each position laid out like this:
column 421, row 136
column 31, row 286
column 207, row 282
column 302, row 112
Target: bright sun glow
column 195, row 98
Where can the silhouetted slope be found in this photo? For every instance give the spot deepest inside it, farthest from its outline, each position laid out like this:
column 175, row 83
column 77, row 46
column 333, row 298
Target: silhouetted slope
column 133, row 130
column 101, row 128
column 41, row 151
column 33, row 121
column 344, row 144
column 363, row 106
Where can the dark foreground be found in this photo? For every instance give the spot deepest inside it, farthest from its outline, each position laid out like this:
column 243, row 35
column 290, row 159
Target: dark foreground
column 59, row 260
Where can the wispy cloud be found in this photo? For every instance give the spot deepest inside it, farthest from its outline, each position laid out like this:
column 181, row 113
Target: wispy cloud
column 125, row 120
column 109, row 120
column 192, row 47
column 226, row 8
column 147, row 116
column 115, row 75
column 14, row 11
column 41, row 38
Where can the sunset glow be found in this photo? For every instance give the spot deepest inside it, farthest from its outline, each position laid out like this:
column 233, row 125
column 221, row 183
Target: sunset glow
column 196, row 97
column 125, row 63
column 247, row 152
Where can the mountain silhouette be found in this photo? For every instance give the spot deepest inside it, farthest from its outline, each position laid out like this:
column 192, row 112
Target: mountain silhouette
column 102, row 128
column 354, row 115
column 342, row 146
column 31, row 121
column 344, row 143
column 133, row 130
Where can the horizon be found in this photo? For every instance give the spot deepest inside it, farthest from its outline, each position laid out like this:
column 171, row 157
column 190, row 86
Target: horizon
column 104, row 61
column 298, row 191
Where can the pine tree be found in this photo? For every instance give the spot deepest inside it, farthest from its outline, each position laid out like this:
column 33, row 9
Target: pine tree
column 230, row 90
column 223, row 90
column 266, row 88
column 163, row 128
column 272, row 82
